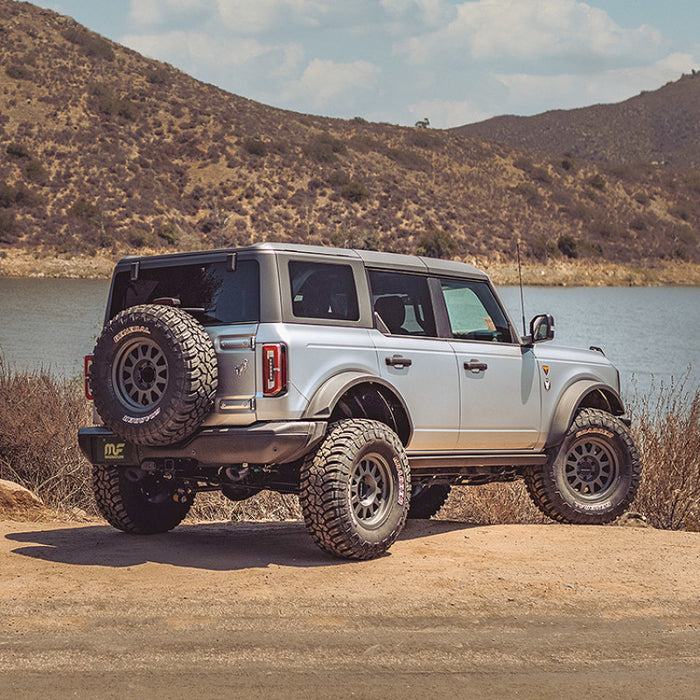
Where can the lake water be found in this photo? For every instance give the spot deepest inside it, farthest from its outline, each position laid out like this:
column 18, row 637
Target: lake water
column 646, row 331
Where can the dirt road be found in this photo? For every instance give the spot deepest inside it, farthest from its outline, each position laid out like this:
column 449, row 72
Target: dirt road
column 255, row 610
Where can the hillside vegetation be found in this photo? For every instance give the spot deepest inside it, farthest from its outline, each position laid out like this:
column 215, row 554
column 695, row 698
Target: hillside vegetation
column 103, row 151
column 658, row 127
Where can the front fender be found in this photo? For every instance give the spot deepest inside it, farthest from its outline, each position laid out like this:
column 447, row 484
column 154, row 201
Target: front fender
column 573, row 398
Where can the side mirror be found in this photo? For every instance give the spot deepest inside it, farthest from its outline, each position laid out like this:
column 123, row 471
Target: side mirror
column 541, row 328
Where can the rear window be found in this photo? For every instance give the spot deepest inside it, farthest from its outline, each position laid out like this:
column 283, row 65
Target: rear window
column 211, row 292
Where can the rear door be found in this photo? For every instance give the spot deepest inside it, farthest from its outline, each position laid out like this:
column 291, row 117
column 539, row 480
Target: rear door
column 421, row 366
column 499, row 391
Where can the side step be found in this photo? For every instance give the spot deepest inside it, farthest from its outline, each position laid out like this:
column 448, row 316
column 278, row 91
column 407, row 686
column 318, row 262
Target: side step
column 470, row 463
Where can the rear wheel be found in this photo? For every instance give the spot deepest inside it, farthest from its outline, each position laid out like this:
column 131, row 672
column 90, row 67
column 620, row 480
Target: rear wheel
column 354, row 489
column 140, row 507
column 593, row 476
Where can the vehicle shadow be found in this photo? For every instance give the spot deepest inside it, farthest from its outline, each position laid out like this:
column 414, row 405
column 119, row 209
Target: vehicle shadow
column 220, row 546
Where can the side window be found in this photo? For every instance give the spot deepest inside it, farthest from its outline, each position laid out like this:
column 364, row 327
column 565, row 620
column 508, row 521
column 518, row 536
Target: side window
column 322, row 290
column 473, row 311
column 403, row 303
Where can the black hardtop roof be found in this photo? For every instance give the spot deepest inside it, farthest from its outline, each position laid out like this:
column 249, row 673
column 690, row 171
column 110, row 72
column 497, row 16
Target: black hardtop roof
column 371, row 258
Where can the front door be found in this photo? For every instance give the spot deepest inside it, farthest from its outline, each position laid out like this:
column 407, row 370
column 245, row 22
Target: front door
column 499, row 391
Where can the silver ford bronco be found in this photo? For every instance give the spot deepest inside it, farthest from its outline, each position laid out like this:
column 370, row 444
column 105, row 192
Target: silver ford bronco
column 367, row 383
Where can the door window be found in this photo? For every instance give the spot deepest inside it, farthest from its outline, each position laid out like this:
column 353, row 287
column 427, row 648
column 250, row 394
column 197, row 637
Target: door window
column 473, row 312
column 403, row 303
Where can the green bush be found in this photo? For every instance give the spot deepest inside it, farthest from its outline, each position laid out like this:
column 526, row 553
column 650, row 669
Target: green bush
column 597, row 181
column 170, row 233
column 436, row 243
column 324, row 148
column 567, row 245
column 87, row 211
column 17, row 71
column 8, row 228
column 17, row 150
column 255, row 147
column 36, row 172
column 354, row 191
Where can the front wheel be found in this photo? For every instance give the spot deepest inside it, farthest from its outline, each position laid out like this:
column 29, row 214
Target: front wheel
column 355, row 489
column 593, row 476
column 140, row 507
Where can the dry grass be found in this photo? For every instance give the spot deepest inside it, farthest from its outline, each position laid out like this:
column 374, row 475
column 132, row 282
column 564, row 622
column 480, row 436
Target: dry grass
column 667, row 429
column 40, row 416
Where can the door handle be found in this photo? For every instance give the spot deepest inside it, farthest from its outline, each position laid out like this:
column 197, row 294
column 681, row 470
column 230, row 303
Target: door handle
column 398, row 361
column 475, row 366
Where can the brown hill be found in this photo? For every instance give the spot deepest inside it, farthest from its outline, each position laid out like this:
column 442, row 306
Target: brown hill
column 103, row 149
column 659, row 127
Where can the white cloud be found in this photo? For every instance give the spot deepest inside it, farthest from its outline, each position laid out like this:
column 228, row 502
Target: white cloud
column 202, row 49
column 568, row 91
column 145, row 12
column 530, row 30
column 323, row 81
column 444, row 114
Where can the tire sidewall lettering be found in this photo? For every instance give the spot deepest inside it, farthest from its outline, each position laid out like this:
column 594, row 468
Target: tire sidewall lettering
column 128, row 331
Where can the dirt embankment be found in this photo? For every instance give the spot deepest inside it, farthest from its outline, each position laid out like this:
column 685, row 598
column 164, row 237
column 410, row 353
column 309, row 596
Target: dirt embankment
column 255, row 610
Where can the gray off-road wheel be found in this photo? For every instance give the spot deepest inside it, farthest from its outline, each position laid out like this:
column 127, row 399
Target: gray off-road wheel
column 154, row 374
column 593, row 476
column 354, row 489
column 427, row 500
column 144, row 507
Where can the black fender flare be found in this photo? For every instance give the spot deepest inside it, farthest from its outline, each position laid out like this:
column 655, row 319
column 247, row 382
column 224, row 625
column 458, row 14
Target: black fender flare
column 571, row 400
column 325, row 398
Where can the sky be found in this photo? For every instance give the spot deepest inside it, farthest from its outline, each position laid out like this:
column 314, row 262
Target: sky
column 452, row 61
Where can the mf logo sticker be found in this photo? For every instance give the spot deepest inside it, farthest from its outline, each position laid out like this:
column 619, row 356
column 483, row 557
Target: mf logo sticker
column 114, row 450
column 547, row 382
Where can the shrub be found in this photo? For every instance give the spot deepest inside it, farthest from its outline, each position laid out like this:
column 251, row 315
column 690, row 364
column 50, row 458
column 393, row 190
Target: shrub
column 170, row 233
column 17, row 150
column 255, row 147
column 436, row 243
column 17, row 71
column 158, row 76
column 87, row 211
column 91, row 44
column 338, row 178
column 529, row 192
column 354, row 191
column 567, row 245
column 667, row 430
column 8, row 233
column 597, row 181
column 36, row 172
column 324, row 148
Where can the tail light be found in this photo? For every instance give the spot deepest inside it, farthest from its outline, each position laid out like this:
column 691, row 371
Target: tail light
column 274, row 369
column 88, row 388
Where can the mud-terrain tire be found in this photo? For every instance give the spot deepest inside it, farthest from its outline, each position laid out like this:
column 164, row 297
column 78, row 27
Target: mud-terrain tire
column 154, row 374
column 143, row 507
column 354, row 489
column 427, row 500
column 593, row 476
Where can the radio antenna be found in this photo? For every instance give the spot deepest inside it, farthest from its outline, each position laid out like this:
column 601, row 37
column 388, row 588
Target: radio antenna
column 520, row 277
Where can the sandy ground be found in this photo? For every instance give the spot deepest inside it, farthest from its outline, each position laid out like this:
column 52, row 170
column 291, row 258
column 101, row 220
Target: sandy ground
column 255, row 610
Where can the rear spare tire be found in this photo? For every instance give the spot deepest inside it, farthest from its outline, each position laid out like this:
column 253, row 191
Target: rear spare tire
column 154, row 374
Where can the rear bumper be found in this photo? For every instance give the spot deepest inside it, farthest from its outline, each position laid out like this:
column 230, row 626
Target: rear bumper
column 260, row 443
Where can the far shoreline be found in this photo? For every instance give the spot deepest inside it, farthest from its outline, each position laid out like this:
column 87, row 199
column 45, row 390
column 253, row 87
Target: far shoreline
column 553, row 273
